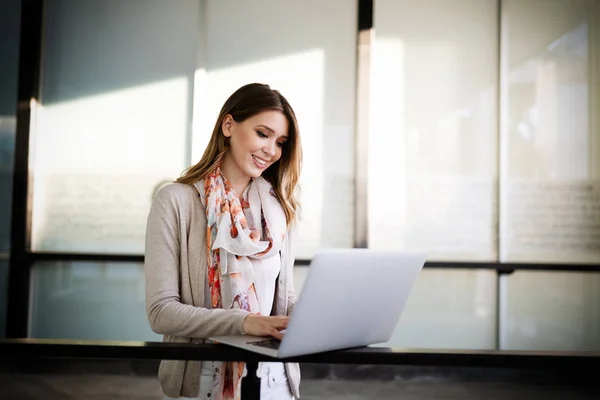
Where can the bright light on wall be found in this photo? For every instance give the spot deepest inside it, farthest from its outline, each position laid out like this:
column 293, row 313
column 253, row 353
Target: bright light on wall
column 96, row 163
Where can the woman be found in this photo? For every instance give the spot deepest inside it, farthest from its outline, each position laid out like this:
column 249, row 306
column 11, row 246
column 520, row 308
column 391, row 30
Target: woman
column 219, row 254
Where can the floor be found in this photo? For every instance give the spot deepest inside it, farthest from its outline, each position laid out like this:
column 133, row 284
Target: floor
column 96, row 387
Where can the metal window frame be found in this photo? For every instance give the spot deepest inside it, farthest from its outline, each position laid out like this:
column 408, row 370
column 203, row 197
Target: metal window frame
column 22, row 258
column 30, row 48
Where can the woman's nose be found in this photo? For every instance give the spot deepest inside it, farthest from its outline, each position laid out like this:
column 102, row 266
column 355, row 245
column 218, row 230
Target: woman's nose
column 270, row 148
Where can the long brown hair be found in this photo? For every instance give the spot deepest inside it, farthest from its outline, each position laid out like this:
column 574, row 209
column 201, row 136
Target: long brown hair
column 283, row 175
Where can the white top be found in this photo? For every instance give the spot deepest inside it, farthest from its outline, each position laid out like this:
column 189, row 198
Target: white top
column 266, row 271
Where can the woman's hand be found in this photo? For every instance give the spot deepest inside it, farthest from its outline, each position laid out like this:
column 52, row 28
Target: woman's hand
column 259, row 325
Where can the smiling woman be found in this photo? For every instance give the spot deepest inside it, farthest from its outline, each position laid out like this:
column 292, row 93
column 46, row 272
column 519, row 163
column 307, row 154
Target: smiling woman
column 255, row 107
column 256, row 144
column 219, row 257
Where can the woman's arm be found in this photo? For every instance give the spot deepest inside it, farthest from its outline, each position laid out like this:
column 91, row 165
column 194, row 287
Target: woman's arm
column 166, row 314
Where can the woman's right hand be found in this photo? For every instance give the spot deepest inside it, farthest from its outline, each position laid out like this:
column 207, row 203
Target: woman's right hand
column 259, row 325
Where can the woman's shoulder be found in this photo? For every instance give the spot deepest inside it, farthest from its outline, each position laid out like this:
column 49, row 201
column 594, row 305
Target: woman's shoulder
column 178, row 195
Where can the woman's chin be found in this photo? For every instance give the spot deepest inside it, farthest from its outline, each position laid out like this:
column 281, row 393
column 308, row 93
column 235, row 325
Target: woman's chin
column 254, row 172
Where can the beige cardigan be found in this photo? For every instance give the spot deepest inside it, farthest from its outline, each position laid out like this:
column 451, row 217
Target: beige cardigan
column 175, row 269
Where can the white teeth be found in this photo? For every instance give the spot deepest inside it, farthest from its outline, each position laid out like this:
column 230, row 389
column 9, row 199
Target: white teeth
column 261, row 162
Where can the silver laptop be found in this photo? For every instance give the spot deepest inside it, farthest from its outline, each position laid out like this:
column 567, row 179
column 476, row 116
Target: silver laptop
column 351, row 298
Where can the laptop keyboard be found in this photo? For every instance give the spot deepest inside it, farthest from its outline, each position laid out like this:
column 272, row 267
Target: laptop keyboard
column 270, row 343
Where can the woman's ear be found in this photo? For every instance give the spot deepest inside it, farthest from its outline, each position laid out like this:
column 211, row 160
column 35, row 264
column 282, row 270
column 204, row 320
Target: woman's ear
column 227, row 125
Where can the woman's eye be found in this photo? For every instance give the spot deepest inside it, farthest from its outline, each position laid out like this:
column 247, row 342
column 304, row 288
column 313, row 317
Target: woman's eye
column 262, row 135
column 280, row 144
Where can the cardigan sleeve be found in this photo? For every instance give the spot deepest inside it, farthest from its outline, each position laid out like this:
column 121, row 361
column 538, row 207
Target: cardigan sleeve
column 290, row 260
column 166, row 314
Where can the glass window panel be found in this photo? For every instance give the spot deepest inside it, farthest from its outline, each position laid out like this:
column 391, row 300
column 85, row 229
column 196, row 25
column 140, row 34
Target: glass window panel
column 551, row 131
column 433, row 134
column 114, row 121
column 550, row 311
column 315, row 70
column 87, row 300
column 453, row 309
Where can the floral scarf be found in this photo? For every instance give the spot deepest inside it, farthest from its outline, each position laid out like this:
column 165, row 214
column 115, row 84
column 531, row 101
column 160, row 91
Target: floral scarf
column 238, row 230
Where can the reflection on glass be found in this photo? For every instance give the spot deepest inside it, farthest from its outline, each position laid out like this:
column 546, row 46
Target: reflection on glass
column 551, row 131
column 432, row 150
column 564, row 316
column 315, row 70
column 114, row 119
column 92, row 301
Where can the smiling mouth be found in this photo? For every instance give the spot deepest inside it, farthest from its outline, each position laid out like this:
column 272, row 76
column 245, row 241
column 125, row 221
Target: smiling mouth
column 260, row 162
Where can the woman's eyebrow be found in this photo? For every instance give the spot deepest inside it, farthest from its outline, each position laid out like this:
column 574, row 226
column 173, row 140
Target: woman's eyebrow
column 266, row 127
column 284, row 136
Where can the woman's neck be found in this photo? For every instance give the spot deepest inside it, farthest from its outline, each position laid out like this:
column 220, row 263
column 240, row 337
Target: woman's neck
column 236, row 178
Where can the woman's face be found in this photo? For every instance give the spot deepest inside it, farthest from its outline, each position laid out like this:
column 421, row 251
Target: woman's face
column 255, row 144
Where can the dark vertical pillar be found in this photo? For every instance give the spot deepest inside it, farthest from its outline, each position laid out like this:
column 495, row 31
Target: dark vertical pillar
column 28, row 89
